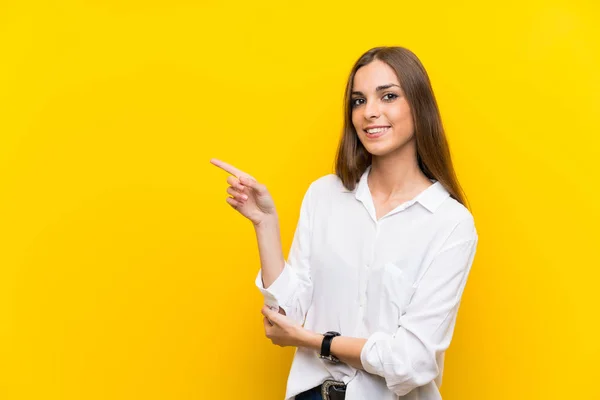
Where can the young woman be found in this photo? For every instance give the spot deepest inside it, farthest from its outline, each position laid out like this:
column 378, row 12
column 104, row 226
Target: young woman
column 381, row 254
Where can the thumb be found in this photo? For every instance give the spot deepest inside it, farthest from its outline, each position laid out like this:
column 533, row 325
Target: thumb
column 270, row 314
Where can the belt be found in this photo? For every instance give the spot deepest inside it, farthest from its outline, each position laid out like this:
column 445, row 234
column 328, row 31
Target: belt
column 329, row 390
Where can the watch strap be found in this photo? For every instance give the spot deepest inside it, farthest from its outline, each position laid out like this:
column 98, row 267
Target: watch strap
column 326, row 343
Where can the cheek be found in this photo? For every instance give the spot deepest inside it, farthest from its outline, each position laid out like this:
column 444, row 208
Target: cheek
column 401, row 116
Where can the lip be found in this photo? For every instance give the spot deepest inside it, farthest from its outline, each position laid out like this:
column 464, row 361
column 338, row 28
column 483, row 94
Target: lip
column 376, row 135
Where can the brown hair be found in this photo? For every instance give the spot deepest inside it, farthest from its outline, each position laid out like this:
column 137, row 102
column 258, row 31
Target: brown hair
column 433, row 153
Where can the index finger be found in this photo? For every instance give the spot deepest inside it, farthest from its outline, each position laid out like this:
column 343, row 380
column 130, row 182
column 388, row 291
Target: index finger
column 226, row 167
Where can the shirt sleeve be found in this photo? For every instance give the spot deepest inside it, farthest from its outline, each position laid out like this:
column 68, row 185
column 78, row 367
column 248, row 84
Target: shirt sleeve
column 292, row 290
column 409, row 358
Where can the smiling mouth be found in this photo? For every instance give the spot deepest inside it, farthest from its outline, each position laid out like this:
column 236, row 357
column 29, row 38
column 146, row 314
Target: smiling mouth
column 376, row 132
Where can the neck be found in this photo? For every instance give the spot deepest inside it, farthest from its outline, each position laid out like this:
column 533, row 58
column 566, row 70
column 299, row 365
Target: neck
column 397, row 175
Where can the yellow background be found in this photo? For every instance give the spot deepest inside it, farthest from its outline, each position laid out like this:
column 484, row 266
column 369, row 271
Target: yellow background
column 124, row 274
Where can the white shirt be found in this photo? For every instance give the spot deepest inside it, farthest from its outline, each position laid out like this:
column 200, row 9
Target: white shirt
column 396, row 281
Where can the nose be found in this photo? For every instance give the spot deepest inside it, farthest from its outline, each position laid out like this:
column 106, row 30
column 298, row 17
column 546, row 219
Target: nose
column 372, row 110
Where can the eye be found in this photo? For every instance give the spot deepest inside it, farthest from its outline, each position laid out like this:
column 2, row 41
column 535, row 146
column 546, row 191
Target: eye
column 390, row 97
column 357, row 102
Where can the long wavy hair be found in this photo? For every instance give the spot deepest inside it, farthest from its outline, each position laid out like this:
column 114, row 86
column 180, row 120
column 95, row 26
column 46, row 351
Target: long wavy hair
column 433, row 152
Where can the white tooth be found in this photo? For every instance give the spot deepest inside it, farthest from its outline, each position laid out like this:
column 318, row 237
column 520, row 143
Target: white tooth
column 376, row 130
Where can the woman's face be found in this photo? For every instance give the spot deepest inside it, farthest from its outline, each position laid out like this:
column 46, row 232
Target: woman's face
column 380, row 113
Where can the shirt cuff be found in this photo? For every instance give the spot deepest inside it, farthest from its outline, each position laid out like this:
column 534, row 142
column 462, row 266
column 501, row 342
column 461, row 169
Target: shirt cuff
column 369, row 357
column 278, row 294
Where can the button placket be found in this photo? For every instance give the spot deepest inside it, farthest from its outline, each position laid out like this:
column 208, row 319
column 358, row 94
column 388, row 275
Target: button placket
column 367, row 268
column 364, row 276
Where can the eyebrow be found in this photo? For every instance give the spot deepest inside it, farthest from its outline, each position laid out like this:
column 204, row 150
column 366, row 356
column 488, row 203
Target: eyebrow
column 378, row 88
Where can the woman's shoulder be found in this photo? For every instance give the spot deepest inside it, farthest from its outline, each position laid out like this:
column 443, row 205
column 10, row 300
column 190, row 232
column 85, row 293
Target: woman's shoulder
column 453, row 209
column 328, row 184
column 457, row 217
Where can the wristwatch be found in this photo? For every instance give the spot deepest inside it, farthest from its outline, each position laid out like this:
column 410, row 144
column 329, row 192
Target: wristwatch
column 326, row 347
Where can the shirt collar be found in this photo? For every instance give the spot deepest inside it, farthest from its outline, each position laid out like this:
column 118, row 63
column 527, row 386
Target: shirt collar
column 430, row 198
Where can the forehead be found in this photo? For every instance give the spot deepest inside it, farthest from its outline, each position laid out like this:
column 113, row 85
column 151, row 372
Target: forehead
column 376, row 73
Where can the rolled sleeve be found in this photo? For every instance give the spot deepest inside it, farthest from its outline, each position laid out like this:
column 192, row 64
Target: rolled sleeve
column 281, row 291
column 412, row 356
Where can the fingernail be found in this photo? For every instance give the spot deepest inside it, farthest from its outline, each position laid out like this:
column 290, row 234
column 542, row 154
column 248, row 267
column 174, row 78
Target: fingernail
column 244, row 197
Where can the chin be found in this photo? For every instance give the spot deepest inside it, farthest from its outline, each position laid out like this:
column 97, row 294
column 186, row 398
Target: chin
column 384, row 149
column 379, row 150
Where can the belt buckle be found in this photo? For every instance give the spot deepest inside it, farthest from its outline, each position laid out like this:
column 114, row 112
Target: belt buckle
column 326, row 385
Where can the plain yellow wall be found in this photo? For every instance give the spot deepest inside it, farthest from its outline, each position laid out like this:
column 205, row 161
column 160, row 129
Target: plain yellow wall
column 124, row 274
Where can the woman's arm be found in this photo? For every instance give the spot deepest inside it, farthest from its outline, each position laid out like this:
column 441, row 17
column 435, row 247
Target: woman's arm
column 269, row 248
column 288, row 284
column 346, row 348
column 252, row 200
column 284, row 332
column 284, row 284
